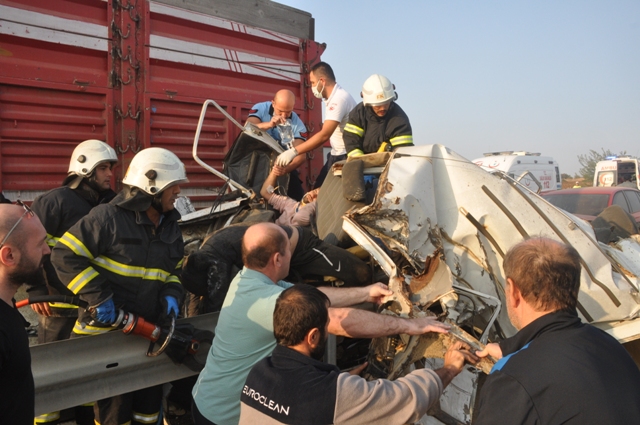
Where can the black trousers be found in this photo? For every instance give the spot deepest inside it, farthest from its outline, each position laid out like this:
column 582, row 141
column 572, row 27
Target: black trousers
column 140, row 407
column 331, row 159
column 314, row 257
column 197, row 416
column 53, row 328
column 58, row 328
column 295, row 189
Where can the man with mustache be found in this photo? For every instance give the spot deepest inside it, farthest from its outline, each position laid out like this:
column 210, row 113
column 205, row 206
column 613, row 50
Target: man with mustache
column 295, row 386
column 22, row 248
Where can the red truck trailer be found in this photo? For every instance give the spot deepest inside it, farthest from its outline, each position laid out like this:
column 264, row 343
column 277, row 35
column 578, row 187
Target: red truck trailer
column 135, row 74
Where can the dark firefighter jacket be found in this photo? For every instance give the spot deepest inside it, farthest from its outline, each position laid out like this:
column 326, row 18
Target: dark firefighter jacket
column 116, row 251
column 365, row 132
column 58, row 210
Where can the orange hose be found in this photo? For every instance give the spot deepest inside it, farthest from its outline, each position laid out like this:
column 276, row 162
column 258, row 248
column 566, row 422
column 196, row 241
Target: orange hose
column 22, row 303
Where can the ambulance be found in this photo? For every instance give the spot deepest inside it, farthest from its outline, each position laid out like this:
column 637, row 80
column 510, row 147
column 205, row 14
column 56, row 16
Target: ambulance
column 617, row 171
column 536, row 172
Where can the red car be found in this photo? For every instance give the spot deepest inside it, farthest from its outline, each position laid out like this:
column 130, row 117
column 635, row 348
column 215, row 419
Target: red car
column 588, row 202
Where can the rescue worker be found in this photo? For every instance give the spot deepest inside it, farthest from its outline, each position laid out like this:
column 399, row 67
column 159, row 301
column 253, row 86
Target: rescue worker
column 128, row 255
column 244, row 333
column 338, row 103
column 209, row 271
column 267, row 116
column 377, row 124
column 87, row 185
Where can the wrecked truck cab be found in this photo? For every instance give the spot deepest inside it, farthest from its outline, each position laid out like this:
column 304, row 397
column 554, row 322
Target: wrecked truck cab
column 452, row 223
column 438, row 226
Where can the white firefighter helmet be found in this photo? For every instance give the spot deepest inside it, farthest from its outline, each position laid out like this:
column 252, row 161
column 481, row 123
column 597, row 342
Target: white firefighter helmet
column 377, row 90
column 154, row 169
column 88, row 154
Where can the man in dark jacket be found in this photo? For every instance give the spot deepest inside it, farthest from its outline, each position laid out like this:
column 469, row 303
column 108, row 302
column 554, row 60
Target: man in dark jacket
column 556, row 369
column 293, row 386
column 87, row 185
column 128, row 255
column 377, row 124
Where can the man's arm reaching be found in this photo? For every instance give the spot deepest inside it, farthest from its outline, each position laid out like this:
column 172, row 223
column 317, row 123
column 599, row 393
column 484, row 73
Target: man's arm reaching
column 270, row 181
column 344, row 297
column 356, row 323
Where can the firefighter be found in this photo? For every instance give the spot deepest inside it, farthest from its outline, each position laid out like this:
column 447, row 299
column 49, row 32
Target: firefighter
column 128, row 255
column 87, row 185
column 377, row 124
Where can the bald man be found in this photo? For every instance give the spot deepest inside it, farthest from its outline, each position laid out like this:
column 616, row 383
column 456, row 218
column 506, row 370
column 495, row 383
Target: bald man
column 22, row 249
column 244, row 334
column 209, row 271
column 267, row 116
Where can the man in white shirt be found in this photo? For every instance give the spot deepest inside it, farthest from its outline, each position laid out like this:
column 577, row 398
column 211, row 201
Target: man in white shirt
column 338, row 104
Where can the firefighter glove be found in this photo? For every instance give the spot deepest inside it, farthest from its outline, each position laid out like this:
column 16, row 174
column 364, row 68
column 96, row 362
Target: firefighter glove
column 171, row 304
column 105, row 312
column 286, row 157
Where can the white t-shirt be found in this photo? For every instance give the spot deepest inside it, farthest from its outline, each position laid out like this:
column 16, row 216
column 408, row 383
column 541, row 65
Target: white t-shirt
column 337, row 108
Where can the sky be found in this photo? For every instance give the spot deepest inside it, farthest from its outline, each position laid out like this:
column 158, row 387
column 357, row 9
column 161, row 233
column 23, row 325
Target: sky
column 550, row 76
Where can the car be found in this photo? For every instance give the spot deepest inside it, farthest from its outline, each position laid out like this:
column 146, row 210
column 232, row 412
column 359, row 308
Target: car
column 588, row 202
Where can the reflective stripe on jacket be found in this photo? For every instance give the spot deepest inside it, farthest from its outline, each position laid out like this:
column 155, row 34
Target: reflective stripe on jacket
column 119, row 253
column 365, row 132
column 58, row 210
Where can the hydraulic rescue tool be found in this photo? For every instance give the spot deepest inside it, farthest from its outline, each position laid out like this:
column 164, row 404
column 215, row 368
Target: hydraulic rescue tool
column 183, row 343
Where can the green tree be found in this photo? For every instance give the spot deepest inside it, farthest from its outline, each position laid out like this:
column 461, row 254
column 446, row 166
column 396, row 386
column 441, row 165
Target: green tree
column 589, row 161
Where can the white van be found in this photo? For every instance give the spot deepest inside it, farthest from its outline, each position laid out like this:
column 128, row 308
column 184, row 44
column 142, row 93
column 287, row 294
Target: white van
column 538, row 173
column 615, row 171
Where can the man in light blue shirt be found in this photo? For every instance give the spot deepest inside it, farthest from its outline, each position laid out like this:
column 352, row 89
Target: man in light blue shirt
column 244, row 334
column 267, row 116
